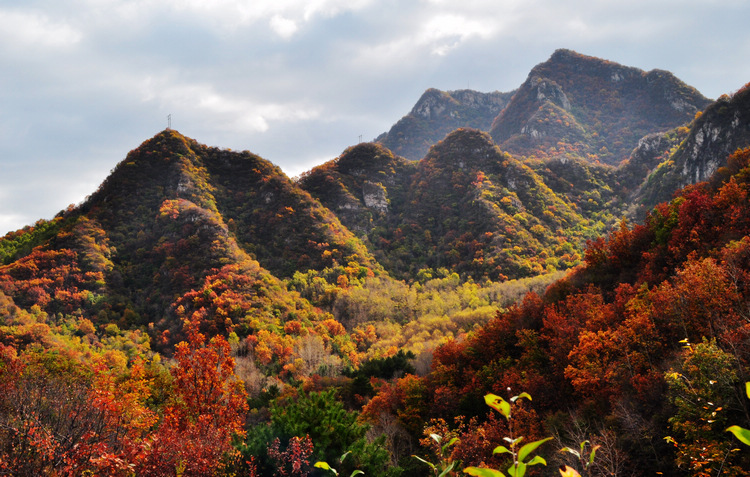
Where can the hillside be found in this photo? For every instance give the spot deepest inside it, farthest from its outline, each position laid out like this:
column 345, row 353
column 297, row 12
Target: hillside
column 364, row 186
column 202, row 314
column 643, row 349
column 477, row 210
column 173, row 217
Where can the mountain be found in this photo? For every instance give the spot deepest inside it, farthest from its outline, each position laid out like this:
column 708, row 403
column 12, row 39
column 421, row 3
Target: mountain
column 174, row 217
column 199, row 307
column 466, row 206
column 591, row 108
column 436, row 114
column 479, row 211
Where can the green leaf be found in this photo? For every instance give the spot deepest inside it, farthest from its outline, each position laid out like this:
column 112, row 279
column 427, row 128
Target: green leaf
column 447, row 469
column 501, row 450
column 572, row 451
column 432, row 466
column 481, row 472
column 450, row 443
column 583, row 446
column 529, row 448
column 517, row 470
column 356, row 472
column 344, row 456
column 740, row 433
column 536, row 461
column 324, row 465
column 499, row 404
column 522, row 395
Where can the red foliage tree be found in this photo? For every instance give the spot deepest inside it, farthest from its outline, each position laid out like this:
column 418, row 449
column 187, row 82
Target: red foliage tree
column 208, row 408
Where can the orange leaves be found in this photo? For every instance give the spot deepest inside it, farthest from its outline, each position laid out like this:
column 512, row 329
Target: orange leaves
column 205, row 383
column 404, row 399
column 208, row 408
column 332, row 327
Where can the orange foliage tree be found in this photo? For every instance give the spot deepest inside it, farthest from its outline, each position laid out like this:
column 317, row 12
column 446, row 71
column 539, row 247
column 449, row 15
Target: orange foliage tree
column 207, row 410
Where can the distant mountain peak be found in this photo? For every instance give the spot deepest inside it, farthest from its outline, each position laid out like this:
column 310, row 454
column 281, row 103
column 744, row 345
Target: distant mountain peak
column 595, row 109
column 436, row 114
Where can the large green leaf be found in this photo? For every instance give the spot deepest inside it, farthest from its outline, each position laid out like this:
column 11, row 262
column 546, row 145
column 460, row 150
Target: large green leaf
column 740, row 433
column 536, row 461
column 529, row 448
column 501, row 450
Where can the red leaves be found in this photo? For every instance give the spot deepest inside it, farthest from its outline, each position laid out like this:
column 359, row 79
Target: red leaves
column 294, row 461
column 208, row 408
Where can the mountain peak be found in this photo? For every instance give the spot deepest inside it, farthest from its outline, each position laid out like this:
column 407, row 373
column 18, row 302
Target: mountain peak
column 564, row 54
column 591, row 108
column 437, row 113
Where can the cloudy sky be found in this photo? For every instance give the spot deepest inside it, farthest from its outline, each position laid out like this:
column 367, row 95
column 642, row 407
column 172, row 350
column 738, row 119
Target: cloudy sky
column 82, row 82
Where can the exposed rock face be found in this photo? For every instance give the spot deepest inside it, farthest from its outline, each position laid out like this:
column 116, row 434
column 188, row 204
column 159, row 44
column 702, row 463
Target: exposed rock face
column 650, row 152
column 723, row 128
column 436, row 114
column 375, row 196
column 712, row 140
column 547, row 90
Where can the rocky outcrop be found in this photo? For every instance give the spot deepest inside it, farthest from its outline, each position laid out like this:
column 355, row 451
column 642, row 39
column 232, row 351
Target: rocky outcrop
column 720, row 130
column 375, row 196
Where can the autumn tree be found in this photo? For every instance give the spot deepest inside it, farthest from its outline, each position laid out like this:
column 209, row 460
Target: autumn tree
column 208, row 408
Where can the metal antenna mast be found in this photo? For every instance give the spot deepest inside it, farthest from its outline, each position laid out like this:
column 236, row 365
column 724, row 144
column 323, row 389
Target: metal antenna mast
column 169, row 121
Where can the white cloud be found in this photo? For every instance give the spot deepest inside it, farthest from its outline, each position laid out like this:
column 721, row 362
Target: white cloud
column 11, row 222
column 347, row 67
column 19, row 29
column 445, row 32
column 331, row 8
column 284, row 27
column 202, row 103
column 438, row 35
